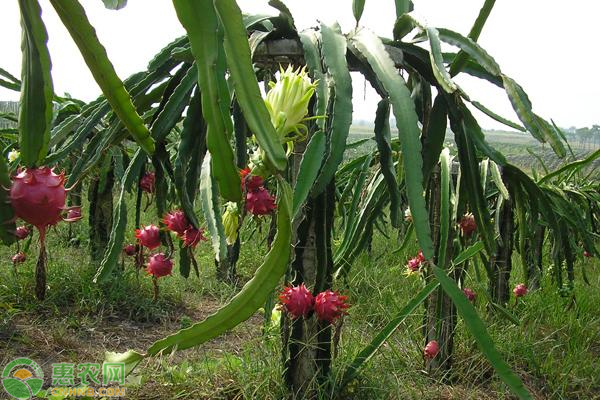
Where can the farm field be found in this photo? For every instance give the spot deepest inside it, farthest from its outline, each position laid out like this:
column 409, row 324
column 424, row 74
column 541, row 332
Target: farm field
column 555, row 352
column 520, row 148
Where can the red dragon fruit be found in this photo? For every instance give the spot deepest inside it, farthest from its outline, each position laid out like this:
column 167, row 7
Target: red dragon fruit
column 467, row 225
column 192, row 236
column 148, row 236
column 22, row 232
column 520, row 290
column 297, row 300
column 176, row 222
column 250, row 183
column 431, row 349
column 159, row 265
column 260, row 202
column 470, row 294
column 19, row 258
column 147, row 182
column 587, row 254
column 413, row 264
column 254, row 183
column 330, row 305
column 129, row 250
column 73, row 214
column 244, row 173
column 38, row 197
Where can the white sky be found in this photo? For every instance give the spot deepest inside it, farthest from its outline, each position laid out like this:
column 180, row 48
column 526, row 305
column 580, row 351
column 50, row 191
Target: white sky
column 549, row 46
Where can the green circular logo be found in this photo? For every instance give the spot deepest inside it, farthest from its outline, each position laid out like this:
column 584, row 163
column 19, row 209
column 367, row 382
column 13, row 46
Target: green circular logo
column 22, row 378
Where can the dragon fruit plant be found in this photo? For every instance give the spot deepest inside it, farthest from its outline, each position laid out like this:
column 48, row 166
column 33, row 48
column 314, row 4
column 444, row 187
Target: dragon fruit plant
column 37, row 196
column 176, row 222
column 158, row 264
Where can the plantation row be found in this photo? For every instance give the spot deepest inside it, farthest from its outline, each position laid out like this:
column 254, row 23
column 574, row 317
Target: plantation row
column 214, row 143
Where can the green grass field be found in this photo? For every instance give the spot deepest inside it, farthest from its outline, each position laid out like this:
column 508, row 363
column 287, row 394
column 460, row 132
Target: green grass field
column 519, row 148
column 555, row 348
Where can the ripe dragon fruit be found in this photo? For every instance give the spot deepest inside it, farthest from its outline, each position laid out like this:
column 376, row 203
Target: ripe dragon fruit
column 520, row 290
column 431, row 349
column 298, row 301
column 250, row 183
column 22, row 232
column 37, row 196
column 159, row 265
column 587, row 254
column 470, row 294
column 176, row 222
column 19, row 258
column 147, row 182
column 467, row 225
column 260, row 202
column 148, row 236
column 129, row 250
column 330, row 305
column 73, row 214
column 193, row 236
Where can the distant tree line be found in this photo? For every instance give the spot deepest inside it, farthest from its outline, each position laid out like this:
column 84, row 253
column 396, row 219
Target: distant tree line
column 588, row 138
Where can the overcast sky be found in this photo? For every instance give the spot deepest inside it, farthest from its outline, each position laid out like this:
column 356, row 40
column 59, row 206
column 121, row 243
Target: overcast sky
column 549, row 46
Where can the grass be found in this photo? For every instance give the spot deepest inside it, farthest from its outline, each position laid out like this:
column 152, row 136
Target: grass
column 555, row 349
column 514, row 145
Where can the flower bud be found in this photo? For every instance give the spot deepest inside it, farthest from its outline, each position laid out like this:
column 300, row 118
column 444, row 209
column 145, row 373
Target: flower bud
column 231, row 222
column 287, row 102
column 13, row 155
